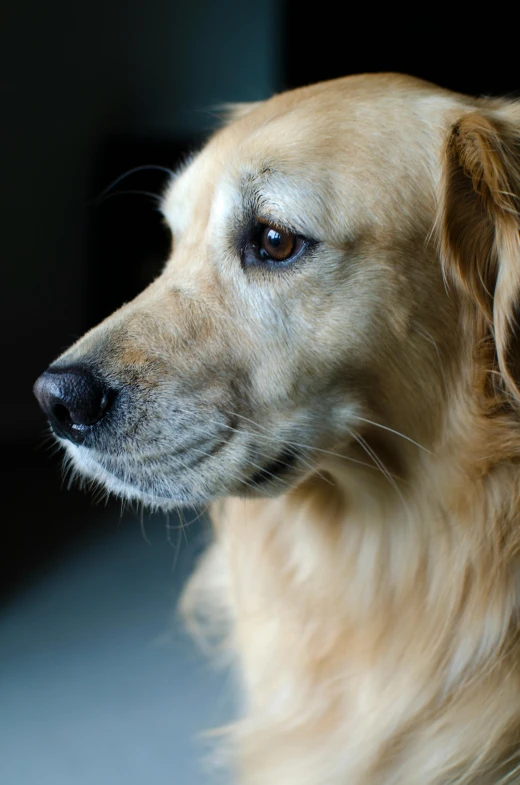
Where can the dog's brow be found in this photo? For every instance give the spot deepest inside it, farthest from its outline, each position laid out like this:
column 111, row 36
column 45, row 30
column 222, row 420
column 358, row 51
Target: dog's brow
column 256, row 190
column 264, row 197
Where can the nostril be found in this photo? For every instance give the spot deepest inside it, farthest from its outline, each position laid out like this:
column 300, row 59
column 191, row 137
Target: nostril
column 73, row 399
column 61, row 414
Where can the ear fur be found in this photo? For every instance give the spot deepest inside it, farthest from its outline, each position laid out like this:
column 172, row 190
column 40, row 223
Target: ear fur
column 480, row 227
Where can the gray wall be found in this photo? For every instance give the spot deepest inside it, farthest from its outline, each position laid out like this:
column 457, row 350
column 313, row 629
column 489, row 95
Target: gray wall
column 70, row 74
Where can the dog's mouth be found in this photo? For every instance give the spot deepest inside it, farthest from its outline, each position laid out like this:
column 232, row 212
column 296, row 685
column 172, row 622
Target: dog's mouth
column 172, row 483
column 276, row 469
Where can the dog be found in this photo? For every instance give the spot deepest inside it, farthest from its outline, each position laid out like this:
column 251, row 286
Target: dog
column 330, row 358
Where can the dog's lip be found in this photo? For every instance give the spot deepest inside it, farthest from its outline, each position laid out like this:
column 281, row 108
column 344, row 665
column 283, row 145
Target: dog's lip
column 77, row 433
column 275, row 469
column 112, row 466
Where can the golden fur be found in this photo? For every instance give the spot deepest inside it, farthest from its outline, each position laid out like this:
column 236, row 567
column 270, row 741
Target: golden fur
column 369, row 596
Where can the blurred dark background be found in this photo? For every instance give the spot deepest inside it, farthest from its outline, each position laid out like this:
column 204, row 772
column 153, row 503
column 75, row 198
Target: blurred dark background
column 92, row 91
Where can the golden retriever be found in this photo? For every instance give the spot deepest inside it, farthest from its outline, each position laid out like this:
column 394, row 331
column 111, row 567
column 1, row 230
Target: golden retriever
column 330, row 356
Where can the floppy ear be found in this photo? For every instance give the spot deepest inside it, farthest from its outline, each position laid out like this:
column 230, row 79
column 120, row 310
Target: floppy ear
column 480, row 227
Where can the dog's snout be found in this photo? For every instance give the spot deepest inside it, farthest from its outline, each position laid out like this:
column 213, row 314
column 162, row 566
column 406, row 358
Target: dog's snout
column 73, row 400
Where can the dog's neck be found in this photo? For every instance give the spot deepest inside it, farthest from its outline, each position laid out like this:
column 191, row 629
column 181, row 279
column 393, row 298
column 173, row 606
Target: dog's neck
column 380, row 617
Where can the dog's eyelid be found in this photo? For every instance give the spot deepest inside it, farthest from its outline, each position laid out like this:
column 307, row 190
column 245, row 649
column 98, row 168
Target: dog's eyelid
column 270, row 220
column 282, row 225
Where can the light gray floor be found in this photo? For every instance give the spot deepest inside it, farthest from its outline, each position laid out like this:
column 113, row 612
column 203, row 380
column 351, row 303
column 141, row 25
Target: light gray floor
column 98, row 683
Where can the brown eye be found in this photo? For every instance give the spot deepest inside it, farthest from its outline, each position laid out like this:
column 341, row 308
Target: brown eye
column 277, row 244
column 271, row 246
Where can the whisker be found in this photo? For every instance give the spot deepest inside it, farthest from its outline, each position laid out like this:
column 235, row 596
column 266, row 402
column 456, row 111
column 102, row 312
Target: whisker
column 183, row 526
column 429, row 338
column 333, row 454
column 128, row 192
column 302, row 446
column 311, row 466
column 141, row 524
column 248, row 461
column 379, row 463
column 121, row 177
column 397, row 433
column 202, row 452
column 177, row 550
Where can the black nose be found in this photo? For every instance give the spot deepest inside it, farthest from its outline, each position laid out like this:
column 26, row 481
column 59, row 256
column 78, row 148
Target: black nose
column 73, row 399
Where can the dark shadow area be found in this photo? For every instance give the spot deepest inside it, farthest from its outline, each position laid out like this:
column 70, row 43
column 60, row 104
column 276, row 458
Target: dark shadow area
column 127, row 239
column 468, row 52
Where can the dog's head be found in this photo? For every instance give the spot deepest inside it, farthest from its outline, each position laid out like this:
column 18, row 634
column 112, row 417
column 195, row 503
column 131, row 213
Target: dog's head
column 304, row 312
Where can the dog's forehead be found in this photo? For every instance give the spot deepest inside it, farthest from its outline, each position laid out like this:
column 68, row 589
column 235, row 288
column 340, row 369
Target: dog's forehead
column 349, row 143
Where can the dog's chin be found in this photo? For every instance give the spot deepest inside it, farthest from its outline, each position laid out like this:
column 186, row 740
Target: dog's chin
column 84, row 465
column 276, row 476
